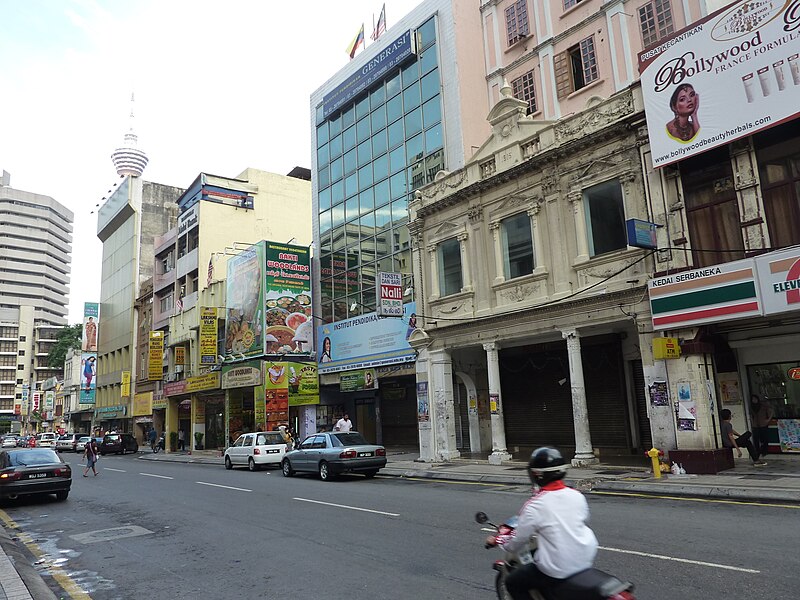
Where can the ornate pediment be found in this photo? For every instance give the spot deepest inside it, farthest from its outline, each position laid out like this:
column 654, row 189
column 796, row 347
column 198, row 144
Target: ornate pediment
column 447, row 228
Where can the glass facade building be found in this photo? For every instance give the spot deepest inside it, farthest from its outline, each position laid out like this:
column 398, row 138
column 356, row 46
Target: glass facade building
column 371, row 154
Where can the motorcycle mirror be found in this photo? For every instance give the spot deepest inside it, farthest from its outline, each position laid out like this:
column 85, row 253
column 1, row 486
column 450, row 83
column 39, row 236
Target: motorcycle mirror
column 481, row 517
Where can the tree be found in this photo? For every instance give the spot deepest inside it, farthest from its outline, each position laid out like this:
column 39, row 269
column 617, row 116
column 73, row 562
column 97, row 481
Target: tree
column 69, row 337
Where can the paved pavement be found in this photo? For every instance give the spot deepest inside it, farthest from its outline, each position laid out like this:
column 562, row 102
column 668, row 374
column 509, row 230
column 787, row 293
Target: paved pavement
column 777, row 482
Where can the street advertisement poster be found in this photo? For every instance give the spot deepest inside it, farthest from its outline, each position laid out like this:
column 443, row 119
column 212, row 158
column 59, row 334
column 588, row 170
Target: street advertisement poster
column 730, row 391
column 91, row 320
column 687, row 407
column 245, row 374
column 356, row 381
column 208, row 335
column 423, row 410
column 125, row 384
column 199, row 412
column 287, row 296
column 143, row 404
column 155, row 356
column 180, row 355
column 88, row 374
column 389, row 295
column 659, row 394
column 245, row 283
column 259, row 412
column 49, row 399
column 296, row 383
column 366, row 341
column 494, row 403
column 789, row 435
column 726, row 76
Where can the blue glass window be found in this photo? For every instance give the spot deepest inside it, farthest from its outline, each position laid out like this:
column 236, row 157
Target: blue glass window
column 382, row 192
column 397, row 160
column 413, row 122
column 363, row 130
column 397, row 184
column 426, row 33
column 337, row 237
column 393, row 86
column 348, row 117
column 324, row 222
column 377, row 97
column 336, row 169
column 410, row 74
column 380, row 167
column 411, row 97
column 433, row 138
column 338, row 215
column 396, row 134
column 378, row 117
column 394, row 109
column 364, row 153
column 325, row 199
column 336, row 126
column 349, row 138
column 366, row 200
column 350, row 162
column 429, row 85
column 383, row 218
column 322, row 134
column 351, row 185
column 337, row 192
column 336, row 146
column 414, row 148
column 324, row 177
column 365, row 176
column 379, row 143
column 362, row 107
column 431, row 112
column 351, row 208
column 400, row 211
column 368, row 222
column 428, row 60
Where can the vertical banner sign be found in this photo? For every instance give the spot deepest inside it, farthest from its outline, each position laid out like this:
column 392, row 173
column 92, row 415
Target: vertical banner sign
column 180, row 355
column 727, row 76
column 126, row 384
column 91, row 320
column 155, row 370
column 88, row 375
column 49, row 399
column 389, row 295
column 36, row 401
column 423, row 410
column 289, row 327
column 244, row 325
column 208, row 335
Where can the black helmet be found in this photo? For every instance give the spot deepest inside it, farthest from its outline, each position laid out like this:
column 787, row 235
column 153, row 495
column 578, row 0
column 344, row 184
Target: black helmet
column 546, row 465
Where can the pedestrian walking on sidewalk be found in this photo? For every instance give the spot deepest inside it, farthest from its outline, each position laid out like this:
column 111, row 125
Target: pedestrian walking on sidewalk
column 731, row 439
column 90, row 452
column 344, row 424
column 181, row 440
column 761, row 415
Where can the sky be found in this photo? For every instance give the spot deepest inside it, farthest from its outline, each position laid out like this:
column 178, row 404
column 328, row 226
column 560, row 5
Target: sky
column 219, row 87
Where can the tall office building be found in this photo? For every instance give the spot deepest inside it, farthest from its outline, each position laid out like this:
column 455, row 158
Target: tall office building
column 35, row 247
column 410, row 105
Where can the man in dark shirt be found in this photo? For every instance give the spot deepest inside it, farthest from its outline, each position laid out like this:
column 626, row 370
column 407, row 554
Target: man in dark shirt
column 731, row 439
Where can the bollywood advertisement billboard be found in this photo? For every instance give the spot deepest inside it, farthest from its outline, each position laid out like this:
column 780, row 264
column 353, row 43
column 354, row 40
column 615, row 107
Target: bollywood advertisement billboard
column 88, row 377
column 289, row 326
column 91, row 320
column 244, row 306
column 366, row 341
column 726, row 76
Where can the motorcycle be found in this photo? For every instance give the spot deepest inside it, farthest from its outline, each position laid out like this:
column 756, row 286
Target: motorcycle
column 159, row 444
column 591, row 584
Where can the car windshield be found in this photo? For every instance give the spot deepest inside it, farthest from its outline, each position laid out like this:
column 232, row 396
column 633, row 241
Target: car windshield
column 265, row 439
column 112, row 438
column 33, row 457
column 84, row 439
column 348, row 439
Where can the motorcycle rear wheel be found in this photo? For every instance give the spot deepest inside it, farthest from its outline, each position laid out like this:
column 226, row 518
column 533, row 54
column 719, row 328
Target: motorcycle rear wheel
column 502, row 592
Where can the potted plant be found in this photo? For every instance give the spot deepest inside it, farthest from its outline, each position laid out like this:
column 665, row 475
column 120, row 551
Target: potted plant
column 173, row 441
column 198, row 440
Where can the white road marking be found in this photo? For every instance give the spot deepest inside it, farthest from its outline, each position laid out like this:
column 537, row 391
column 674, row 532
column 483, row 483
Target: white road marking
column 377, row 512
column 105, row 535
column 227, row 487
column 159, row 476
column 682, row 560
column 116, row 470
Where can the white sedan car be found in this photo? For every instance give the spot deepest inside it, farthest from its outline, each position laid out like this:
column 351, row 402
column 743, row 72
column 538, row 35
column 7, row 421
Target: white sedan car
column 256, row 449
column 9, row 441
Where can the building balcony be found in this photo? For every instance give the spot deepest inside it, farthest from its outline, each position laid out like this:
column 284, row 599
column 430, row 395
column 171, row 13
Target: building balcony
column 187, row 263
column 163, row 280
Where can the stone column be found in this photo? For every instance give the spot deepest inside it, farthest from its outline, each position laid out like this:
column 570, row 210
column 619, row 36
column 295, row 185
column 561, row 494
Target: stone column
column 584, row 454
column 499, row 267
column 442, row 404
column 538, row 242
column 466, row 273
column 576, row 199
column 432, row 255
column 499, row 451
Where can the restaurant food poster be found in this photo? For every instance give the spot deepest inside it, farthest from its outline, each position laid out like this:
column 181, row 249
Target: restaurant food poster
column 297, row 383
column 287, row 299
column 91, row 320
column 208, row 335
column 733, row 73
column 155, row 356
column 88, row 377
column 244, row 304
column 366, row 341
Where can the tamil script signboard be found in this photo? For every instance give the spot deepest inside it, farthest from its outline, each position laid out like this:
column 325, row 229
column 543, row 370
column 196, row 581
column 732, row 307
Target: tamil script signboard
column 727, row 76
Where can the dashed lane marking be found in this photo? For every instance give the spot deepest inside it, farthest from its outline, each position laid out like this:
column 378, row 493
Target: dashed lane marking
column 227, row 487
column 153, row 475
column 377, row 512
column 699, row 563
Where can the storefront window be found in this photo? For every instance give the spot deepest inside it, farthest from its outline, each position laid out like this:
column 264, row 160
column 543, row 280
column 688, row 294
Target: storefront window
column 775, row 383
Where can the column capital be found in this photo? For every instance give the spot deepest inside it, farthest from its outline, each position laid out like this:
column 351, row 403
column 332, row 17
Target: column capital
column 494, row 225
column 462, row 237
column 432, row 248
column 491, row 346
column 570, row 334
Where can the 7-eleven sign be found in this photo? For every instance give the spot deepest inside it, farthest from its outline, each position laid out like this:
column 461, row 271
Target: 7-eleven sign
column 779, row 279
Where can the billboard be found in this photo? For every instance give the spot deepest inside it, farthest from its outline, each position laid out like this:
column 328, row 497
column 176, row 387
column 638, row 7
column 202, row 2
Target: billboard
column 779, row 280
column 88, row 375
column 726, row 76
column 366, row 341
column 244, row 305
column 91, row 319
column 155, row 356
column 208, row 335
column 289, row 327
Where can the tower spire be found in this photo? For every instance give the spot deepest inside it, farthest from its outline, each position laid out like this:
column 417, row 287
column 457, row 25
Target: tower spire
column 129, row 159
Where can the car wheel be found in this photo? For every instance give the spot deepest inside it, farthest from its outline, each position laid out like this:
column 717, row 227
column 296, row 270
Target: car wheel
column 62, row 495
column 228, row 463
column 251, row 464
column 286, row 467
column 370, row 474
column 325, row 473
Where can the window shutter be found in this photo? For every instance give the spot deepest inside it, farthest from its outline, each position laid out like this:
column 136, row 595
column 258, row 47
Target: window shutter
column 563, row 81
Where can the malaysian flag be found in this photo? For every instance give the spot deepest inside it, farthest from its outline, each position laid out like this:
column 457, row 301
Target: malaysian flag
column 179, row 305
column 210, row 271
column 381, row 26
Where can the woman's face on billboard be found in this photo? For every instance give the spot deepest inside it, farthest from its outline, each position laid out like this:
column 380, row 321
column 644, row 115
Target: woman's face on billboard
column 685, row 102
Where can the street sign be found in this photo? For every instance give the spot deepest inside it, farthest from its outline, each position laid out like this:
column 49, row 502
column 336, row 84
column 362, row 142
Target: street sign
column 389, row 295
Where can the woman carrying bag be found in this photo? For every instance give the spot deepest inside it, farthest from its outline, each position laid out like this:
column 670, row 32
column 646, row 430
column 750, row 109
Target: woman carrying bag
column 90, row 454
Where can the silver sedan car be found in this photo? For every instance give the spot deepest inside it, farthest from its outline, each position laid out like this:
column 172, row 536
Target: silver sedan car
column 330, row 454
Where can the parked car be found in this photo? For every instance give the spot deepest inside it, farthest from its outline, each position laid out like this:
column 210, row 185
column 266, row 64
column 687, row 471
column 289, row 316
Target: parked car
column 25, row 471
column 80, row 445
column 118, row 443
column 46, row 439
column 68, row 442
column 10, row 441
column 257, row 449
column 336, row 452
column 24, row 441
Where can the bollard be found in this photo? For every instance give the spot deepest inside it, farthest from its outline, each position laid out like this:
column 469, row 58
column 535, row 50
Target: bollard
column 654, row 453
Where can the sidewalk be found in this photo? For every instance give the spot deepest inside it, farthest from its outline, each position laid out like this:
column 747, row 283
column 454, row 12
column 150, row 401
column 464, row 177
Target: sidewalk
column 779, row 481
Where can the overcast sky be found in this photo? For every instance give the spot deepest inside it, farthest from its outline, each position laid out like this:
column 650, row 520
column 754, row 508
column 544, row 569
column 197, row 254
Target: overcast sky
column 219, row 86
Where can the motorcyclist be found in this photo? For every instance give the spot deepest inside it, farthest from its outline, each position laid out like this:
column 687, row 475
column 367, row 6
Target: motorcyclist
column 557, row 515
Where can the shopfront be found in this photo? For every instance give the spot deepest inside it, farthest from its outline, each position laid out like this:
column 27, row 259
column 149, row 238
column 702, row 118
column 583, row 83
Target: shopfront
column 111, row 418
column 142, row 416
column 187, row 396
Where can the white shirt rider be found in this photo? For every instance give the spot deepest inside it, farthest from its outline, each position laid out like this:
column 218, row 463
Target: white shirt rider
column 344, row 424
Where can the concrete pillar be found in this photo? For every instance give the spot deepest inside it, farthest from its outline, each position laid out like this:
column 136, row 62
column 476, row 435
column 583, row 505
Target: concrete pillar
column 442, row 405
column 433, row 256
column 499, row 451
column 584, row 455
column 499, row 267
column 423, row 406
column 576, row 198
column 537, row 237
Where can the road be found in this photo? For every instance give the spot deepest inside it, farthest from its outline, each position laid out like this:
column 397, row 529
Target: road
column 147, row 529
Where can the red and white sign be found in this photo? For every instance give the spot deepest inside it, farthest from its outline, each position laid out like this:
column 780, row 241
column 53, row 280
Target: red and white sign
column 779, row 278
column 389, row 293
column 794, row 373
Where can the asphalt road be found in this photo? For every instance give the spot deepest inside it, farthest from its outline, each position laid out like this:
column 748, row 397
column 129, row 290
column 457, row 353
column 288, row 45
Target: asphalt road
column 146, row 529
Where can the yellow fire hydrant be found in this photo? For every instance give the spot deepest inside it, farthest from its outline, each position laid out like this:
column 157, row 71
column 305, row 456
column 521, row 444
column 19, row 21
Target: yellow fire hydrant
column 654, row 453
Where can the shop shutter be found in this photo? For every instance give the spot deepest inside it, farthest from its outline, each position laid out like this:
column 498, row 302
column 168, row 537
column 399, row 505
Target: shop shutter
column 461, row 410
column 640, row 396
column 606, row 397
